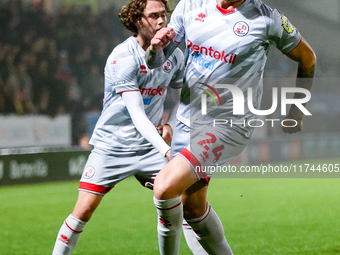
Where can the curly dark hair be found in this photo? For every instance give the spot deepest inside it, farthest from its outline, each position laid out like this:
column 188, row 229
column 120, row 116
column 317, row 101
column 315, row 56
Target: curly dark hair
column 133, row 12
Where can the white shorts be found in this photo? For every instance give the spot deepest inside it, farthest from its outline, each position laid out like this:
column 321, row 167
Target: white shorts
column 105, row 168
column 206, row 147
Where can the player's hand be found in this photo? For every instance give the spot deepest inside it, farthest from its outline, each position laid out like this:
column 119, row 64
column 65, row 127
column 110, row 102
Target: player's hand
column 166, row 132
column 290, row 123
column 168, row 154
column 162, row 38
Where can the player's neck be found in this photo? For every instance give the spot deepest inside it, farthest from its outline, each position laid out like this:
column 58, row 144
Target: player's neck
column 226, row 4
column 143, row 41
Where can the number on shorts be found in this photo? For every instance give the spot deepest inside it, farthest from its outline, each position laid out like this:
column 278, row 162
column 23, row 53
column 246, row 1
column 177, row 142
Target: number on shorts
column 216, row 151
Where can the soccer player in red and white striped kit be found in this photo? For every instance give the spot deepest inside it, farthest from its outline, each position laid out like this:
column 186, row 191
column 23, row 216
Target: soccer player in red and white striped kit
column 126, row 139
column 226, row 41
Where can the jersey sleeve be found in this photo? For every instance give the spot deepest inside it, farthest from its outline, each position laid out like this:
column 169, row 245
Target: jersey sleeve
column 135, row 106
column 282, row 33
column 177, row 21
column 177, row 79
column 121, row 73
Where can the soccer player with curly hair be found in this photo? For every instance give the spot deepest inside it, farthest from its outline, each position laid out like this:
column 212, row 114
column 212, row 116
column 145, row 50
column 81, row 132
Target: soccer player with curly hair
column 126, row 139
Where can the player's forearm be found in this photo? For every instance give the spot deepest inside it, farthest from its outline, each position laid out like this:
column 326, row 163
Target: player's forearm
column 306, row 59
column 156, row 59
column 305, row 77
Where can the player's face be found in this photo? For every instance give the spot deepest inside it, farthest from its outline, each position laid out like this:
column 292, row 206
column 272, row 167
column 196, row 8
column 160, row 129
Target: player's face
column 153, row 20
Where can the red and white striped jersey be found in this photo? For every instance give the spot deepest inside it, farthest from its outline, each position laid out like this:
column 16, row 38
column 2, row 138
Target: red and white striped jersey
column 224, row 46
column 126, row 70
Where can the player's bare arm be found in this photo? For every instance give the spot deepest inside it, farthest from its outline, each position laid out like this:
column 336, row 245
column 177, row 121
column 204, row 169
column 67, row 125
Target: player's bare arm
column 161, row 47
column 306, row 58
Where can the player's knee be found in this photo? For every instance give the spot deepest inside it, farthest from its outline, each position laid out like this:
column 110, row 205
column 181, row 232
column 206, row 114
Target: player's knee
column 164, row 190
column 83, row 212
column 160, row 190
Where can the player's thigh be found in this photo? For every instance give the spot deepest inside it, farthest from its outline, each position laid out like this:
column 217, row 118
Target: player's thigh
column 105, row 168
column 150, row 162
column 177, row 175
column 174, row 179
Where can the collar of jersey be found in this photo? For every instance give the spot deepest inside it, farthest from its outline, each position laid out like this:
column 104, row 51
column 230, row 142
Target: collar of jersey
column 231, row 10
column 225, row 11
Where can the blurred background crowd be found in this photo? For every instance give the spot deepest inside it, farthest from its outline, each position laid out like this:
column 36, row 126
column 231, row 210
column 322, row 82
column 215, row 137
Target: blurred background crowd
column 52, row 62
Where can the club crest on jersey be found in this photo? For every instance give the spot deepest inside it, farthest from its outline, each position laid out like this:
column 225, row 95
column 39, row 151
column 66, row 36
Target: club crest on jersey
column 200, row 17
column 89, row 172
column 288, row 27
column 167, row 66
column 241, row 28
column 143, row 69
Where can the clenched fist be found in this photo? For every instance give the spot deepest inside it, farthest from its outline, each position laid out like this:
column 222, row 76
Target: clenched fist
column 162, row 39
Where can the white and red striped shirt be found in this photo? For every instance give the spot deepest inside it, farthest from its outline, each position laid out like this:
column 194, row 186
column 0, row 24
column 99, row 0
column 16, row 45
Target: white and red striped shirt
column 126, row 70
column 227, row 47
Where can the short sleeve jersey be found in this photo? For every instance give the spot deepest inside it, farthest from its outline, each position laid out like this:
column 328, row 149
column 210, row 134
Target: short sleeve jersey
column 227, row 45
column 126, row 70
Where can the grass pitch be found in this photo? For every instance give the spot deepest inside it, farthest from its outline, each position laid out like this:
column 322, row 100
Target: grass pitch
column 260, row 216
